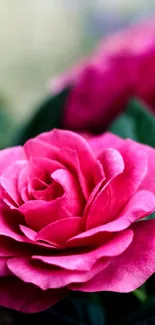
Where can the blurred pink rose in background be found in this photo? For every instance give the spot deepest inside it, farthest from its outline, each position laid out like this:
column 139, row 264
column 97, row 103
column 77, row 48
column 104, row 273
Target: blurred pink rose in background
column 71, row 213
column 122, row 67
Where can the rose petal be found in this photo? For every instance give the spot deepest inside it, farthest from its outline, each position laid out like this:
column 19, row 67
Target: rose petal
column 49, row 193
column 60, row 231
column 109, row 140
column 85, row 260
column 39, row 214
column 41, row 169
column 39, row 166
column 70, row 142
column 9, row 221
column 140, row 205
column 103, row 141
column 9, row 181
column 27, row 298
column 25, row 194
column 112, row 163
column 37, row 148
column 150, row 152
column 9, row 247
column 131, row 269
column 74, row 199
column 118, row 191
column 148, row 183
column 10, row 155
column 4, row 271
column 22, row 183
column 31, row 235
column 28, row 232
column 47, row 277
column 71, row 159
column 92, row 198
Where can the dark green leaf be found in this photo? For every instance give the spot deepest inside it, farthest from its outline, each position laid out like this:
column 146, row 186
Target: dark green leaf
column 137, row 123
column 145, row 315
column 118, row 306
column 47, row 117
column 6, row 126
column 6, row 317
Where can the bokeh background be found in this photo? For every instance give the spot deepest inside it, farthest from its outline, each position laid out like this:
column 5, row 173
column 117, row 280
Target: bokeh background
column 40, row 39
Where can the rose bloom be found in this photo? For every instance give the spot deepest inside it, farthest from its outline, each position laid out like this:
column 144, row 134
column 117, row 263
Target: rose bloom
column 122, row 67
column 73, row 217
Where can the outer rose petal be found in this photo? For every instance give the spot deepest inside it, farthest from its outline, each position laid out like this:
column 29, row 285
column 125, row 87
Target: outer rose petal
column 46, row 277
column 116, row 193
column 9, row 247
column 131, row 269
column 140, row 205
column 85, row 260
column 27, row 298
column 9, row 181
column 35, row 148
column 10, row 156
column 148, row 183
column 121, row 145
column 9, row 221
column 109, row 140
column 104, row 141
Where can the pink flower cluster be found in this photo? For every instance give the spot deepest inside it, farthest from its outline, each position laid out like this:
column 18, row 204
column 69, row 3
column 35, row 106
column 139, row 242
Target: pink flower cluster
column 73, row 217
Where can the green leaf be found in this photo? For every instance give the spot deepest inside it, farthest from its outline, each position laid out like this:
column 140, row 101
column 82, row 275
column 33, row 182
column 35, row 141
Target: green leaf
column 6, row 125
column 137, row 123
column 141, row 294
column 145, row 315
column 118, row 306
column 47, row 117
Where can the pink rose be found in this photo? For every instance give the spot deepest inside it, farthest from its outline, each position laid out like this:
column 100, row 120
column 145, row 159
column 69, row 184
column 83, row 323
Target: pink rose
column 122, row 67
column 71, row 218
